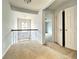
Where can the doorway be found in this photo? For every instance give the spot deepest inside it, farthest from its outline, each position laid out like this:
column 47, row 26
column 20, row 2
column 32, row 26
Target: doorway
column 63, row 28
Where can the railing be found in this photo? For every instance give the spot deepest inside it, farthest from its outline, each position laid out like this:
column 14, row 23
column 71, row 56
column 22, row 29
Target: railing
column 25, row 34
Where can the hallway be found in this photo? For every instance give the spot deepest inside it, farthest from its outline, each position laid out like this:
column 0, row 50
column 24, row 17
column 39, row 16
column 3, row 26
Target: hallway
column 30, row 28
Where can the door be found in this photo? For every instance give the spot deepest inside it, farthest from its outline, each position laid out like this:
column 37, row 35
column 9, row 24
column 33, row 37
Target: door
column 70, row 28
column 66, row 28
column 24, row 24
column 59, row 28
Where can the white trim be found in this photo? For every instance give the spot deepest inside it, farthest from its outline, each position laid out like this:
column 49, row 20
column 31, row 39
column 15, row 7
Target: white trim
column 6, row 50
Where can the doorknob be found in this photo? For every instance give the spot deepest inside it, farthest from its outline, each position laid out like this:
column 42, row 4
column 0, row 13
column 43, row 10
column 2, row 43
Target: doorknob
column 66, row 30
column 60, row 29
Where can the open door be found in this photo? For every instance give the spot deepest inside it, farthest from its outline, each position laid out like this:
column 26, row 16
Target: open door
column 70, row 27
column 58, row 30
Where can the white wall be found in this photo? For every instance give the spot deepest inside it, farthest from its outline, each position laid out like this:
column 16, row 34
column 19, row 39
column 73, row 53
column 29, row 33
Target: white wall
column 7, row 24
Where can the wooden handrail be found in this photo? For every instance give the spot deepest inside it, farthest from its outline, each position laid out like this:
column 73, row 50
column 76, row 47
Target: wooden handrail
column 24, row 30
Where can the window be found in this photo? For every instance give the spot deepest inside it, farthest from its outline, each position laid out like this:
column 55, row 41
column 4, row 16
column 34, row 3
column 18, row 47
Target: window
column 24, row 25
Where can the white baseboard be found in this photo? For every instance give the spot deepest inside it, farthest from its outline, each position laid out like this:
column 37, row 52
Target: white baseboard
column 6, row 50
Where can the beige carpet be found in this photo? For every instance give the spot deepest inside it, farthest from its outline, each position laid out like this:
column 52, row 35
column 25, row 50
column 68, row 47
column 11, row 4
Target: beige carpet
column 65, row 51
column 33, row 50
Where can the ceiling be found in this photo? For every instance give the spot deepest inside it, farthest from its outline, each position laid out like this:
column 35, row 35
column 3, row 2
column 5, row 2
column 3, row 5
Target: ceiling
column 35, row 5
column 58, row 3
